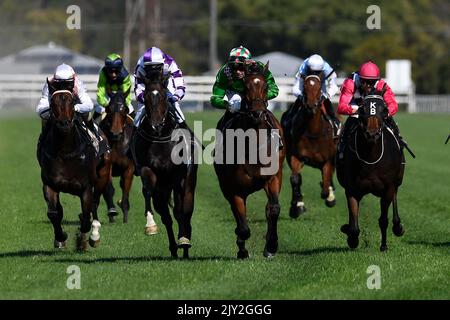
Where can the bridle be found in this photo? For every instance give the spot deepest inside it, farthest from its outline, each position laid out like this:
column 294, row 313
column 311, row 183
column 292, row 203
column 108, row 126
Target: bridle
column 318, row 104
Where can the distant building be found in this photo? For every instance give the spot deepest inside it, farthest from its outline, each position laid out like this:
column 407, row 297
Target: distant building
column 281, row 64
column 44, row 59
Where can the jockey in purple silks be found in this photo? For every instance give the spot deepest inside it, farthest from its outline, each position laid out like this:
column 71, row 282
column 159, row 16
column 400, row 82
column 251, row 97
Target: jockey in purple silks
column 154, row 59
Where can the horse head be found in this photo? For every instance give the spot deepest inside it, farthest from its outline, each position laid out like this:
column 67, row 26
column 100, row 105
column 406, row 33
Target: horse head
column 156, row 103
column 371, row 116
column 256, row 91
column 312, row 97
column 62, row 107
column 116, row 113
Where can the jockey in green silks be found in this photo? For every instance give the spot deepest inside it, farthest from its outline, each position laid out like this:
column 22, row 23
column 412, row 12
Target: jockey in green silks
column 230, row 81
column 112, row 78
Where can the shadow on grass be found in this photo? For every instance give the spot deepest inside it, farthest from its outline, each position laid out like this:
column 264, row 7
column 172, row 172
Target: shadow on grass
column 142, row 259
column 77, row 254
column 64, row 223
column 434, row 244
column 29, row 253
column 315, row 251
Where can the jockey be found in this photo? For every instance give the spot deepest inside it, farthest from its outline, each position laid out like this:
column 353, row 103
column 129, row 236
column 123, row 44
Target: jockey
column 315, row 65
column 154, row 59
column 230, row 83
column 112, row 77
column 65, row 78
column 359, row 84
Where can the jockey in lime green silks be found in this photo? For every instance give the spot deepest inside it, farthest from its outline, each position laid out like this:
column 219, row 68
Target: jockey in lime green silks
column 112, row 78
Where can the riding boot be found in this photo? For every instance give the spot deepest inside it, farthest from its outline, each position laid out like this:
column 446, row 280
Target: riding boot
column 349, row 127
column 131, row 151
column 97, row 117
column 335, row 121
column 44, row 131
column 390, row 122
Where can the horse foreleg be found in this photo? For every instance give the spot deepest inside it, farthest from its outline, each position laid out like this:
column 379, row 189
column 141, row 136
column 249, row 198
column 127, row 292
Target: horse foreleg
column 397, row 227
column 85, row 219
column 126, row 181
column 383, row 221
column 352, row 228
column 103, row 182
column 148, row 183
column 327, row 185
column 183, row 209
column 272, row 213
column 297, row 204
column 161, row 204
column 238, row 206
column 108, row 195
column 55, row 215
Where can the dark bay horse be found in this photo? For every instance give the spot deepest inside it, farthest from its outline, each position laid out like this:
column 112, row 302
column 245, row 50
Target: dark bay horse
column 69, row 164
column 161, row 176
column 247, row 172
column 373, row 162
column 118, row 126
column 309, row 140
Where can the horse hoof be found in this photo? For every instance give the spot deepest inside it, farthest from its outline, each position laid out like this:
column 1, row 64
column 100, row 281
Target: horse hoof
column 151, row 230
column 185, row 253
column 398, row 230
column 268, row 254
column 330, row 204
column 353, row 242
column 184, row 242
column 345, row 228
column 296, row 211
column 383, row 248
column 59, row 244
column 125, row 220
column 242, row 254
column 82, row 242
column 111, row 219
column 94, row 243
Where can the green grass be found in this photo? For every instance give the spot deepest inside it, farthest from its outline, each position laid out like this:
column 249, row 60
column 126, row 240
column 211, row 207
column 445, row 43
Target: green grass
column 313, row 260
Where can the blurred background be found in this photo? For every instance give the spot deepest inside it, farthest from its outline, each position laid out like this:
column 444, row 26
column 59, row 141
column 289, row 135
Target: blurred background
column 34, row 38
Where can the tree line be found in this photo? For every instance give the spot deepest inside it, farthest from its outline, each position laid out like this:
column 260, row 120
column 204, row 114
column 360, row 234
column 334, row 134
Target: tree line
column 418, row 30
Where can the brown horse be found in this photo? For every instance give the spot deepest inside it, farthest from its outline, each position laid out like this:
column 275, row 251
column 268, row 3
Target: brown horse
column 161, row 176
column 309, row 139
column 118, row 126
column 244, row 176
column 373, row 162
column 69, row 164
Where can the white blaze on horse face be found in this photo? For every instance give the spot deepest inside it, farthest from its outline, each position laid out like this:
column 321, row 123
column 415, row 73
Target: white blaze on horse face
column 311, row 82
column 155, row 93
column 256, row 81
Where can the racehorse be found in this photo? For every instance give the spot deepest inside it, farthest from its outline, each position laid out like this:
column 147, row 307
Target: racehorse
column 373, row 162
column 152, row 151
column 118, row 126
column 69, row 163
column 243, row 177
column 309, row 140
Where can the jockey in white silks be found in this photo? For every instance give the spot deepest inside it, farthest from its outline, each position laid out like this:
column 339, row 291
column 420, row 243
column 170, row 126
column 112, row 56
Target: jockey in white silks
column 316, row 65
